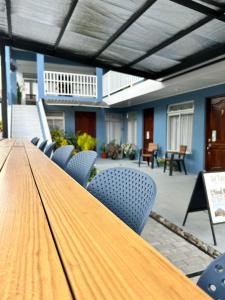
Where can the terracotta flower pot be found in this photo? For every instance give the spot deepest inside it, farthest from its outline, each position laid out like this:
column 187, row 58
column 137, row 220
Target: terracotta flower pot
column 104, row 155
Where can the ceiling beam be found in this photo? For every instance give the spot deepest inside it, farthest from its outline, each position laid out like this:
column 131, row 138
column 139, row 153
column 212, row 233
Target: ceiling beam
column 212, row 2
column 197, row 60
column 9, row 19
column 200, row 8
column 174, row 38
column 30, row 45
column 66, row 21
column 126, row 25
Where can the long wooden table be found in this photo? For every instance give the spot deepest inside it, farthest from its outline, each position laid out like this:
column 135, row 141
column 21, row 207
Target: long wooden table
column 59, row 242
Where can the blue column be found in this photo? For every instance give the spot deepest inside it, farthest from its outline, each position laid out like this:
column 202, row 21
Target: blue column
column 13, row 83
column 140, row 129
column 40, row 75
column 8, row 75
column 100, row 128
column 99, row 74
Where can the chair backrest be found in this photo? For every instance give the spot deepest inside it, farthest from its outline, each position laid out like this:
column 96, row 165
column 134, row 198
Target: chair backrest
column 183, row 149
column 35, row 141
column 43, row 145
column 49, row 148
column 62, row 155
column 212, row 281
column 80, row 166
column 152, row 147
column 128, row 193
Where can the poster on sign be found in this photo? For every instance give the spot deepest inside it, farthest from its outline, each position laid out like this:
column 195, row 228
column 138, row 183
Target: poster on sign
column 215, row 189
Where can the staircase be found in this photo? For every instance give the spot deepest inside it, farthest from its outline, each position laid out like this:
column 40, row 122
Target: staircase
column 26, row 122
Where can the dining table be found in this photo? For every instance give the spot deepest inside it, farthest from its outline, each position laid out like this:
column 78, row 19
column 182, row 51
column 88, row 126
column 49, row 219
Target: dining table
column 58, row 242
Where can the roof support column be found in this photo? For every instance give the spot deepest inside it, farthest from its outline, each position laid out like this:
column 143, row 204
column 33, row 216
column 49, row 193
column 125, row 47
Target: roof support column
column 4, row 91
column 99, row 74
column 40, row 60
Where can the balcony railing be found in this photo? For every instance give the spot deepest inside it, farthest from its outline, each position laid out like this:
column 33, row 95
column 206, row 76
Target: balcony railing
column 115, row 81
column 70, row 84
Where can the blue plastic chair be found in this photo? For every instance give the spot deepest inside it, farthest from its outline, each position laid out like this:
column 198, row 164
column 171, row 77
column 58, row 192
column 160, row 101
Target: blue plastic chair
column 128, row 193
column 80, row 165
column 43, row 145
column 35, row 141
column 62, row 155
column 212, row 281
column 49, row 149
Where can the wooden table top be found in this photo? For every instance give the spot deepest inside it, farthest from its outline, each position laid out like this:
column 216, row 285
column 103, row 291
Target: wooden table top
column 102, row 258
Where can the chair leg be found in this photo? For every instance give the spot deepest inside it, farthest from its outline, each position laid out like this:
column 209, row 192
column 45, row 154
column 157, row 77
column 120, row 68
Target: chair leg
column 139, row 162
column 171, row 167
column 148, row 160
column 165, row 165
column 152, row 161
column 179, row 166
column 184, row 167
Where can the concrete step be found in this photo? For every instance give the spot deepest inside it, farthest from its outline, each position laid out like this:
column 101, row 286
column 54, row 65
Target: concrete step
column 26, row 122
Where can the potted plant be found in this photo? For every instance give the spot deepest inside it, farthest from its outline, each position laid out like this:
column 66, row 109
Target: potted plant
column 86, row 142
column 104, row 151
column 132, row 152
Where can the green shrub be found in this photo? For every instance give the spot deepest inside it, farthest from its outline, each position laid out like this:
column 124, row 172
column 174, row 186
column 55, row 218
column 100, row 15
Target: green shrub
column 1, row 126
column 86, row 142
column 93, row 173
column 58, row 137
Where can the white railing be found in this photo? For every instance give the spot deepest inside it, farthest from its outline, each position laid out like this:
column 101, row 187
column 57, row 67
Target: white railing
column 115, row 81
column 70, row 84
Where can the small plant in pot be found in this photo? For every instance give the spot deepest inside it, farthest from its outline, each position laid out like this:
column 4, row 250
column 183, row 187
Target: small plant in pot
column 104, row 151
column 132, row 152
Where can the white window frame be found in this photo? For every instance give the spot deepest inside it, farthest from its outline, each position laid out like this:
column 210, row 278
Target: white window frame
column 62, row 117
column 180, row 112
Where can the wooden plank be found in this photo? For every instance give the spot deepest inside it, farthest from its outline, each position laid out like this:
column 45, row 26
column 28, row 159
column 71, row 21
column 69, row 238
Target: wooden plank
column 7, row 142
column 103, row 258
column 29, row 264
column 4, row 152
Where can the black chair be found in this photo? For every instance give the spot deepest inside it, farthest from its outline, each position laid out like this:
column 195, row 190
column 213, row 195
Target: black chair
column 150, row 154
column 177, row 157
column 49, row 149
column 35, row 141
column 43, row 145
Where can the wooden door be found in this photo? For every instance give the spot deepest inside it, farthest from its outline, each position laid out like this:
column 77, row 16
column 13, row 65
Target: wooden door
column 148, row 127
column 85, row 122
column 215, row 135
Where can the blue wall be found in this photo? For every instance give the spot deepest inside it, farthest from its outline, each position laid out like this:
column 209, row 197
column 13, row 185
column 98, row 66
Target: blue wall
column 195, row 161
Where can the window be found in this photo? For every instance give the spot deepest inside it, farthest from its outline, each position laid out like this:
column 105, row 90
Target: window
column 131, row 128
column 30, row 89
column 180, row 125
column 113, row 127
column 56, row 120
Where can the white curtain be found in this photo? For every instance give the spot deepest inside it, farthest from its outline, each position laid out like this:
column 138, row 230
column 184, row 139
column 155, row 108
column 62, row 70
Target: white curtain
column 173, row 132
column 186, row 129
column 131, row 128
column 113, row 127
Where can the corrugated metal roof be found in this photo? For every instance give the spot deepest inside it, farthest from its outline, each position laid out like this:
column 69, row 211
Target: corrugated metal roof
column 152, row 38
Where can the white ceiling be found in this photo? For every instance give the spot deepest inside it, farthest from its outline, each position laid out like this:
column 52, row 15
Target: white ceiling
column 198, row 79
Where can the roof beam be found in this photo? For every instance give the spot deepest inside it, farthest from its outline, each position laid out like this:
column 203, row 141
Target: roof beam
column 126, row 25
column 66, row 21
column 174, row 38
column 201, row 9
column 212, row 2
column 195, row 61
column 9, row 20
column 30, row 45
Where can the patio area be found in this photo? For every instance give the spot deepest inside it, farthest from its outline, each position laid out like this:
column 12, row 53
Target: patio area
column 173, row 195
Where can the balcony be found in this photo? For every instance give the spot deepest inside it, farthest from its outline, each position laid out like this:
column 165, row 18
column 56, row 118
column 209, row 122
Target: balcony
column 70, row 84
column 114, row 82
